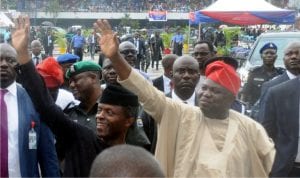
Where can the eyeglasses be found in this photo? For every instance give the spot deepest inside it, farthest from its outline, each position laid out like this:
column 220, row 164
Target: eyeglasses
column 200, row 53
column 126, row 52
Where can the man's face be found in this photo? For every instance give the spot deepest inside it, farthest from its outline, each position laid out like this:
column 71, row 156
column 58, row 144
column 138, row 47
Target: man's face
column 81, row 85
column 201, row 54
column 185, row 76
column 108, row 72
column 36, row 49
column 111, row 121
column 214, row 98
column 78, row 32
column 269, row 56
column 292, row 59
column 128, row 51
column 8, row 61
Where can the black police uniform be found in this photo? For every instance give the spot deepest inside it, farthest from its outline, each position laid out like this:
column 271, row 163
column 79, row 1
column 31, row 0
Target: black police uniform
column 256, row 78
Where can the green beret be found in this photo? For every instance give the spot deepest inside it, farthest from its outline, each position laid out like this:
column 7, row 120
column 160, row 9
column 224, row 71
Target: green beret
column 82, row 66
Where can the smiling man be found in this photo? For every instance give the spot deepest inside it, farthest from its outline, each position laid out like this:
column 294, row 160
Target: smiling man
column 81, row 145
column 206, row 141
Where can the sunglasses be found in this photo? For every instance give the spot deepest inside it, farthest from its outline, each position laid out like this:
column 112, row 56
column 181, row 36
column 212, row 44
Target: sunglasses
column 126, row 52
column 200, row 53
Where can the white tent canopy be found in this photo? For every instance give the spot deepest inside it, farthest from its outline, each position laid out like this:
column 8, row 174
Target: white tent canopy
column 5, row 21
column 242, row 5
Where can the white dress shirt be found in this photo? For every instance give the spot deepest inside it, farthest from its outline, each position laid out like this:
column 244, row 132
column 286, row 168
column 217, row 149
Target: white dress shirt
column 190, row 101
column 290, row 75
column 33, row 57
column 167, row 86
column 11, row 101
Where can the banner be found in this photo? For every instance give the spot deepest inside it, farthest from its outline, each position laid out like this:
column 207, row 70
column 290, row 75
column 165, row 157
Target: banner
column 157, row 16
column 192, row 18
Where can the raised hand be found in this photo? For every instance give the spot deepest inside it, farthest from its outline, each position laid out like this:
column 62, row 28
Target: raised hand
column 108, row 42
column 20, row 38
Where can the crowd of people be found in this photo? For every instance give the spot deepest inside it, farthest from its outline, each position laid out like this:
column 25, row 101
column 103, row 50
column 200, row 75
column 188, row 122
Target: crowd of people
column 109, row 5
column 189, row 118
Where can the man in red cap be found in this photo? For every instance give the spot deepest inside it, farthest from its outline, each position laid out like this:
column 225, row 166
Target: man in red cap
column 213, row 141
column 53, row 76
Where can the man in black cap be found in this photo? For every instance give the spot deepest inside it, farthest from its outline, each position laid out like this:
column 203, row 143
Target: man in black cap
column 116, row 113
column 261, row 74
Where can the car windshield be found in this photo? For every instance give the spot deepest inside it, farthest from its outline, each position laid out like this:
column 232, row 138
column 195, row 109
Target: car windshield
column 281, row 43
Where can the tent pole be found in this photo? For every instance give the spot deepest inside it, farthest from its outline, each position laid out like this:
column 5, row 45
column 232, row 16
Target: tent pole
column 199, row 32
column 189, row 35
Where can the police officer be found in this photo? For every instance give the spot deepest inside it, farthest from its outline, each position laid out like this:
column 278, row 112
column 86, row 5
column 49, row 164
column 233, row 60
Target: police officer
column 261, row 74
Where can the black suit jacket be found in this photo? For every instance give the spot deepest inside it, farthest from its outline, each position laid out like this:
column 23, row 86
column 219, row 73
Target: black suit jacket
column 159, row 83
column 265, row 87
column 81, row 144
column 281, row 121
column 142, row 47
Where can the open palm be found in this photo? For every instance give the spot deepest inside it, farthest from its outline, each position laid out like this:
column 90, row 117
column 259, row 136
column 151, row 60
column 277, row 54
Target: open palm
column 20, row 35
column 108, row 42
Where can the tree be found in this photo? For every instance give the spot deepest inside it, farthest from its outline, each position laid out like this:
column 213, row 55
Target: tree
column 127, row 21
column 53, row 8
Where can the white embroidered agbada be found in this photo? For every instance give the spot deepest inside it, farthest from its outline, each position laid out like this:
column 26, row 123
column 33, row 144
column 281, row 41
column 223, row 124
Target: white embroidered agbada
column 185, row 146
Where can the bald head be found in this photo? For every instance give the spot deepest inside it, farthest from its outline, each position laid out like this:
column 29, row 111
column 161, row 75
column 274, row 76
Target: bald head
column 36, row 47
column 125, row 45
column 125, row 161
column 183, row 60
column 7, row 50
column 292, row 57
column 186, row 75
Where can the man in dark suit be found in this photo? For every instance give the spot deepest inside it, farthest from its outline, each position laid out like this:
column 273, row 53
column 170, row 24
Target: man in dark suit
column 48, row 43
column 36, row 49
column 184, row 80
column 281, row 121
column 139, row 44
column 157, row 46
column 291, row 61
column 26, row 142
column 163, row 83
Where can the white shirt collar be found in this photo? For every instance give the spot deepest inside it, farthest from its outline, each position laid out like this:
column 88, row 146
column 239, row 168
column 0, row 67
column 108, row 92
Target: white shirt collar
column 290, row 75
column 12, row 88
column 167, row 86
column 190, row 101
column 40, row 55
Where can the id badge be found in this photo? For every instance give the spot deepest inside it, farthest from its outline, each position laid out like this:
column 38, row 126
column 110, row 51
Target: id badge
column 32, row 137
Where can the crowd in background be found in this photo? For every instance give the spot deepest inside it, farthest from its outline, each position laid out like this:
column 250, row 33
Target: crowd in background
column 108, row 5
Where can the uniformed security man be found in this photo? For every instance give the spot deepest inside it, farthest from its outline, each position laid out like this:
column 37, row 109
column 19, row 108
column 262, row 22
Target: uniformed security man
column 261, row 74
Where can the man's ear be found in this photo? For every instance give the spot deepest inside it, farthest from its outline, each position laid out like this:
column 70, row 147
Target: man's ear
column 129, row 122
column 171, row 73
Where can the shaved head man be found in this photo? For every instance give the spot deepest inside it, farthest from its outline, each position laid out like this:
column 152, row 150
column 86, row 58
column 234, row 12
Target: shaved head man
column 125, row 161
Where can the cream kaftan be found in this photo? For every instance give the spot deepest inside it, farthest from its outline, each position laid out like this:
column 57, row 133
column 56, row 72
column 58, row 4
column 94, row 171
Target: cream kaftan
column 185, row 146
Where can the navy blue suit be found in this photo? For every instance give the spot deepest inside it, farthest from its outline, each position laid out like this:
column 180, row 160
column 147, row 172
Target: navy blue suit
column 281, row 121
column 45, row 154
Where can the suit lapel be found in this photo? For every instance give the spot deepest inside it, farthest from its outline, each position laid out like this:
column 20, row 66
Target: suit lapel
column 22, row 128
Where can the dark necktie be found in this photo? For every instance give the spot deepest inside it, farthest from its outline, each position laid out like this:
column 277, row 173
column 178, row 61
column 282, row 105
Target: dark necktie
column 36, row 60
column 3, row 136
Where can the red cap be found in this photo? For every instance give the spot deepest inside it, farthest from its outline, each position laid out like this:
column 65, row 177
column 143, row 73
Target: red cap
column 224, row 75
column 51, row 71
